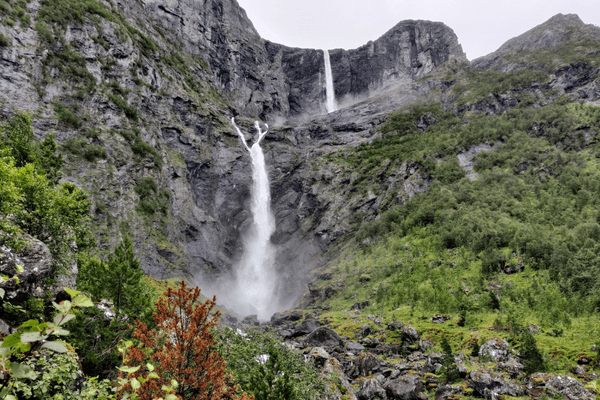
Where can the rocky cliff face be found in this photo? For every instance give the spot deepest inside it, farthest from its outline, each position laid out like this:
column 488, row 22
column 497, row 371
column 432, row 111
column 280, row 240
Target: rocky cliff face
column 407, row 52
column 181, row 69
column 269, row 80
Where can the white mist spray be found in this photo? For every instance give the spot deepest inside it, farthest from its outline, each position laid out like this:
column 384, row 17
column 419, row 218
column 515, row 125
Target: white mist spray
column 329, row 89
column 255, row 278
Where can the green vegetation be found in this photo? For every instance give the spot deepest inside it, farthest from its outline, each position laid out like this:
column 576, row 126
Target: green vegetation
column 449, row 369
column 516, row 246
column 81, row 148
column 266, row 368
column 68, row 115
column 583, row 51
column 71, row 67
column 32, row 201
column 12, row 11
column 5, row 41
column 120, row 280
column 477, row 84
column 151, row 199
column 117, row 98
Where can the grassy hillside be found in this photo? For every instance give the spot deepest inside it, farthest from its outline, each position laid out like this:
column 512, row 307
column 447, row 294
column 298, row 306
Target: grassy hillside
column 513, row 242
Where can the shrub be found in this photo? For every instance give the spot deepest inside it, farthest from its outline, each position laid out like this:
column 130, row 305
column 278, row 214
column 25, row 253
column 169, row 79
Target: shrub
column 257, row 374
column 129, row 111
column 120, row 280
column 146, row 187
column 80, row 147
column 5, row 41
column 68, row 117
column 142, row 149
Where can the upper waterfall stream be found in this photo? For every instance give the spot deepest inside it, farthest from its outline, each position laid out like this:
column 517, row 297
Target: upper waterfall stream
column 329, row 88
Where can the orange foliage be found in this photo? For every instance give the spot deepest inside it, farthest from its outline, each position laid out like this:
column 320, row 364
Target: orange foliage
column 182, row 349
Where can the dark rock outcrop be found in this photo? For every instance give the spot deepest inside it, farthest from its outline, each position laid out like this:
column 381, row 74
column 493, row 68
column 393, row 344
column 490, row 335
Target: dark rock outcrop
column 35, row 260
column 405, row 387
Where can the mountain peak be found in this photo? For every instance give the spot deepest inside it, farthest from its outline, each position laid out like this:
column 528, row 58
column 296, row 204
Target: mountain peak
column 564, row 19
column 553, row 33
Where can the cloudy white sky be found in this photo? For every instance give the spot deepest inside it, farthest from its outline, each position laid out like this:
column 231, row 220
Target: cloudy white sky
column 481, row 25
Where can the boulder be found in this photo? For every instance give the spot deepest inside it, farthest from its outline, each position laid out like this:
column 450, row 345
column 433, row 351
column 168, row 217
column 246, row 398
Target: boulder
column 251, row 320
column 410, row 335
column 371, row 343
column 354, row 348
column 306, row 327
column 370, row 389
column 446, row 392
column 557, row 385
column 320, row 356
column 367, row 364
column 405, row 387
column 36, row 261
column 323, row 337
column 394, row 326
column 497, row 349
column 440, row 318
column 485, row 381
column 366, row 330
column 359, row 306
column 512, row 366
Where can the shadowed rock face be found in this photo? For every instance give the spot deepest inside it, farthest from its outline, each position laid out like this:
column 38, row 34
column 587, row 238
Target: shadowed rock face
column 407, row 52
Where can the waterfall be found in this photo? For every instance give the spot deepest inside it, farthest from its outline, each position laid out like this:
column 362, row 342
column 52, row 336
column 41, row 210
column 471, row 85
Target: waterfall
column 255, row 277
column 329, row 89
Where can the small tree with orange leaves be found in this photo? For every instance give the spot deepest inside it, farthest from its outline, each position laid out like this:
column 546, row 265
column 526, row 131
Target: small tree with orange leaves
column 182, row 349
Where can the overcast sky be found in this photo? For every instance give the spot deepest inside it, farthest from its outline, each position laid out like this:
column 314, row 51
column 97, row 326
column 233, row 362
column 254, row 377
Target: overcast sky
column 481, row 25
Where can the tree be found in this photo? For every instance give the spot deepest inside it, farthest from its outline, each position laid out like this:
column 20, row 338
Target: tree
column 182, row 348
column 449, row 368
column 120, row 280
column 17, row 135
column 530, row 355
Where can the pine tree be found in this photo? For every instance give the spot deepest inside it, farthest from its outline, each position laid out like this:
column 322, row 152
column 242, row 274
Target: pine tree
column 449, row 369
column 530, row 355
column 120, row 280
column 182, row 348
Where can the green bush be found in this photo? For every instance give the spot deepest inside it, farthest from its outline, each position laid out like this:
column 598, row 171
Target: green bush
column 66, row 116
column 57, row 214
column 81, row 148
column 5, row 41
column 449, row 368
column 142, row 149
column 146, row 187
column 129, row 111
column 120, row 280
column 529, row 354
